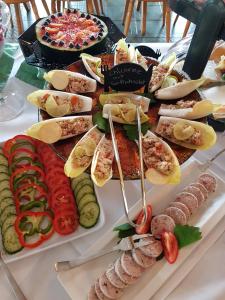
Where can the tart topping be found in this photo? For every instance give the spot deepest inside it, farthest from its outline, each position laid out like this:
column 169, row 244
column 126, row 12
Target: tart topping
column 74, row 28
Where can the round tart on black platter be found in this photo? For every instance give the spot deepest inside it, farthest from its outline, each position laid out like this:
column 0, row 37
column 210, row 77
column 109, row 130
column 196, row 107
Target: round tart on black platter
column 70, row 33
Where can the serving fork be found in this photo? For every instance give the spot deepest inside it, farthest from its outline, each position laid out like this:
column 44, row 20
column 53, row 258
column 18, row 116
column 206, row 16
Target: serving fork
column 124, row 244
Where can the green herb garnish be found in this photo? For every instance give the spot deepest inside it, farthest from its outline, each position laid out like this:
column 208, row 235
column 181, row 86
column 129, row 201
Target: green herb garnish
column 125, row 226
column 187, row 235
column 101, row 122
column 124, row 230
column 132, row 130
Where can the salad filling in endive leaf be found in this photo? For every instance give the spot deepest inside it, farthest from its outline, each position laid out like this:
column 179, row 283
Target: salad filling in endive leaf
column 101, row 168
column 160, row 160
column 189, row 134
column 58, row 104
column 53, row 130
column 81, row 156
column 123, row 113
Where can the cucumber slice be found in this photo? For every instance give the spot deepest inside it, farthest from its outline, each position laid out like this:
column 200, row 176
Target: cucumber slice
column 8, row 211
column 5, row 193
column 78, row 179
column 3, row 160
column 4, row 185
column 6, row 202
column 86, row 199
column 83, row 183
column 89, row 215
column 10, row 221
column 83, row 191
column 11, row 241
column 4, row 169
column 3, row 176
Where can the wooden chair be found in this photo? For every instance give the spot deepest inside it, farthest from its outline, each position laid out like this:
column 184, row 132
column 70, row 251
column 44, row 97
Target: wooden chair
column 187, row 26
column 92, row 6
column 26, row 4
column 128, row 11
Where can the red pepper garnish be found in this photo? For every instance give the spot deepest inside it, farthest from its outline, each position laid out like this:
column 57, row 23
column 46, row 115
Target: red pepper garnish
column 25, row 170
column 8, row 145
column 24, row 193
column 42, row 236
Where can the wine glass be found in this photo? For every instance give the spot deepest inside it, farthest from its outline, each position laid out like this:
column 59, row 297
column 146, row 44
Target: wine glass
column 11, row 104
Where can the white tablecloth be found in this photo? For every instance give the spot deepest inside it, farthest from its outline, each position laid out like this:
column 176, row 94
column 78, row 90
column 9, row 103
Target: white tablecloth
column 36, row 274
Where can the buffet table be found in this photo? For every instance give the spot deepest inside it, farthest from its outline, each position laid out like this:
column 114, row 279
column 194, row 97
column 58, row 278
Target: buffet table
column 36, row 275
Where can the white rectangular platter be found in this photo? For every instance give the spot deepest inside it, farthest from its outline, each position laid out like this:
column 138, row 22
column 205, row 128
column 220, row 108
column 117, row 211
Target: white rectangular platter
column 77, row 281
column 57, row 239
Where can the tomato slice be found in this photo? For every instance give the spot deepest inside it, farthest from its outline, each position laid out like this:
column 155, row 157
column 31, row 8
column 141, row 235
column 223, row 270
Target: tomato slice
column 61, row 198
column 170, row 246
column 145, row 228
column 65, row 222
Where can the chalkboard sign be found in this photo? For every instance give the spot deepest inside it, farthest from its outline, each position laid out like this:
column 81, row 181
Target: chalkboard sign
column 126, row 77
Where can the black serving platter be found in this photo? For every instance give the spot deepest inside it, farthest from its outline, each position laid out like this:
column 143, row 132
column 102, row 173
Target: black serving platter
column 34, row 56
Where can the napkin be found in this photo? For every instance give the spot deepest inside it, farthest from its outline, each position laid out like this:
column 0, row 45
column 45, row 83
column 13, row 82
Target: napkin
column 6, row 63
column 31, row 75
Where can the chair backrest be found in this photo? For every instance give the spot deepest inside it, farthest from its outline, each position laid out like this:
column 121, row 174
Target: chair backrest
column 209, row 17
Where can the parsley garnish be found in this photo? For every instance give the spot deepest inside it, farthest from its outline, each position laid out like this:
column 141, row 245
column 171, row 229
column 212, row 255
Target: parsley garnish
column 187, row 235
column 132, row 130
column 101, row 122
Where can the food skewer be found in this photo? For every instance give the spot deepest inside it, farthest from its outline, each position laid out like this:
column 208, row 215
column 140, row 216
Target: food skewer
column 117, row 158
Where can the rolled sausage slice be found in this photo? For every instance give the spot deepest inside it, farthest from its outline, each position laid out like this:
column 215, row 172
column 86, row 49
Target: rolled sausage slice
column 202, row 189
column 130, row 266
column 114, row 278
column 108, row 289
column 181, row 206
column 91, row 294
column 141, row 259
column 154, row 249
column 127, row 279
column 189, row 200
column 177, row 215
column 197, row 193
column 98, row 291
column 161, row 223
column 208, row 181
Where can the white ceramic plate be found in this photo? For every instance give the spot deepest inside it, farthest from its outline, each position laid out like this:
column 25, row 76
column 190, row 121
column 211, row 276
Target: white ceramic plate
column 57, row 239
column 77, row 281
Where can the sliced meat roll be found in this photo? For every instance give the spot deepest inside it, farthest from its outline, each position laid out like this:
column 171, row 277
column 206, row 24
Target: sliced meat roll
column 154, row 249
column 114, row 278
column 189, row 200
column 130, row 266
column 208, row 181
column 92, row 294
column 196, row 192
column 162, row 223
column 183, row 207
column 202, row 189
column 177, row 215
column 127, row 279
column 141, row 259
column 109, row 290
column 98, row 291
